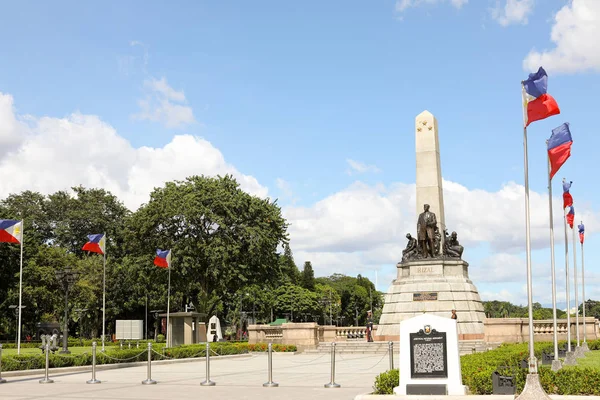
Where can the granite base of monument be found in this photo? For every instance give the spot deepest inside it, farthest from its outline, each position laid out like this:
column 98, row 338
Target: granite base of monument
column 433, row 286
column 429, row 357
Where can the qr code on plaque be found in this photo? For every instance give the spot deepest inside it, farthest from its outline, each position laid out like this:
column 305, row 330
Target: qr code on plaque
column 428, row 357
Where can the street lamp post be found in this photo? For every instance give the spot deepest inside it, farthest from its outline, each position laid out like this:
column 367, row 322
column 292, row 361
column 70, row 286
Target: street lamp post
column 80, row 312
column 16, row 308
column 156, row 322
column 66, row 277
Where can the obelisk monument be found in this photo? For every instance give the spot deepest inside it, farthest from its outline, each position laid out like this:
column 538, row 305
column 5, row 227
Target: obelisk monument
column 432, row 277
column 429, row 168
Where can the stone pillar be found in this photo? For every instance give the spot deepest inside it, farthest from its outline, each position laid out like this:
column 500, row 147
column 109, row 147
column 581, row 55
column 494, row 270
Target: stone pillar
column 429, row 168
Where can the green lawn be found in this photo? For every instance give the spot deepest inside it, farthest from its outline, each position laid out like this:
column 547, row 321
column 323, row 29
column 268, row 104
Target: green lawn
column 73, row 350
column 591, row 360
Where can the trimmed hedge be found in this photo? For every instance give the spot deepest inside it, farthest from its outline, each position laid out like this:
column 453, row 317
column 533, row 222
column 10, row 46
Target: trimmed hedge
column 115, row 355
column 477, row 371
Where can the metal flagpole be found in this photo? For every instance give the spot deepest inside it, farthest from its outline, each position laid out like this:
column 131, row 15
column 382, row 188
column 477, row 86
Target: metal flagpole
column 20, row 290
column 575, row 284
column 583, row 295
column 168, row 309
column 104, row 292
column 552, row 266
column 567, row 283
column 532, row 359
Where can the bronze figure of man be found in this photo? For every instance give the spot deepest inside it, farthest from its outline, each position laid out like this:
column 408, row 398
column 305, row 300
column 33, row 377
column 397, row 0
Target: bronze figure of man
column 425, row 232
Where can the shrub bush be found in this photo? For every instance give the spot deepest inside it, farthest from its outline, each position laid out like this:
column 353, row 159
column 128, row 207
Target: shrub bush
column 477, row 371
column 115, row 355
column 386, row 382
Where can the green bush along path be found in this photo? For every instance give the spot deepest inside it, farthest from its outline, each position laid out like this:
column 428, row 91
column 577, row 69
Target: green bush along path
column 477, row 369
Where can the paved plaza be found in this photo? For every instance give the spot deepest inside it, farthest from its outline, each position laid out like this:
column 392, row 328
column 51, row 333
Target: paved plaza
column 299, row 376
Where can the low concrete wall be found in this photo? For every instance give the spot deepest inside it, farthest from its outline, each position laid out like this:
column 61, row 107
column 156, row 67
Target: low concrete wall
column 516, row 330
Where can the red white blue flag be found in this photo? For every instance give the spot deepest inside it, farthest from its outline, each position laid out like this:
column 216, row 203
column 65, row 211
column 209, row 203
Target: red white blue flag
column 537, row 103
column 11, row 231
column 581, row 232
column 567, row 198
column 571, row 216
column 163, row 258
column 96, row 243
column 559, row 147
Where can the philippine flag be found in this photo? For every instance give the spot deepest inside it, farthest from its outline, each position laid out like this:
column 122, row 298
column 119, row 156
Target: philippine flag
column 559, row 147
column 96, row 243
column 581, row 232
column 567, row 198
column 11, row 231
column 571, row 216
column 537, row 103
column 163, row 258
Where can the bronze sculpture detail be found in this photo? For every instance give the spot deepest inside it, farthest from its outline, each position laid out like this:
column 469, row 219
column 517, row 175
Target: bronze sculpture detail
column 429, row 240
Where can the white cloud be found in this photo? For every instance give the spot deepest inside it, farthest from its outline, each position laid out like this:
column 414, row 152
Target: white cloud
column 402, row 5
column 12, row 131
column 575, row 33
column 57, row 154
column 357, row 166
column 514, row 11
column 160, row 104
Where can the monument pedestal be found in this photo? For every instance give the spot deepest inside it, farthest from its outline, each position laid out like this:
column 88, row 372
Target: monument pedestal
column 432, row 286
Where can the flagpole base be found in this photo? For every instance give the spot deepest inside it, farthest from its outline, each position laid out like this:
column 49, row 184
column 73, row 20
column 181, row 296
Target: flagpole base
column 332, row 385
column 207, row 383
column 556, row 365
column 271, row 384
column 579, row 352
column 585, row 347
column 46, row 380
column 570, row 358
column 149, row 382
column 93, row 381
column 533, row 389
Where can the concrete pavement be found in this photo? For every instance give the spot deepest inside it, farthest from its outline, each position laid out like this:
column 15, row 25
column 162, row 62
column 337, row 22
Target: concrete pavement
column 299, row 376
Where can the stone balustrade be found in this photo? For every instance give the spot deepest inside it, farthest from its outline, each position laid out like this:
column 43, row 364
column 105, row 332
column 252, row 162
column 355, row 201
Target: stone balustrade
column 307, row 335
column 516, row 330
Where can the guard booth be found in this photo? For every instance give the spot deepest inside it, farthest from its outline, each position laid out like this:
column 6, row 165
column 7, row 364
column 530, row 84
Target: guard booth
column 186, row 328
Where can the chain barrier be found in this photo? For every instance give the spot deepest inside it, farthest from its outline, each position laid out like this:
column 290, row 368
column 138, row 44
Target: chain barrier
column 270, row 382
column 207, row 382
column 93, row 380
column 309, row 361
column 332, row 383
column 46, row 378
column 149, row 380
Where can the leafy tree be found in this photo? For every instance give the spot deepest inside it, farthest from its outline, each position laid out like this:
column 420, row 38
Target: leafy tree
column 222, row 238
column 288, row 268
column 308, row 276
column 298, row 303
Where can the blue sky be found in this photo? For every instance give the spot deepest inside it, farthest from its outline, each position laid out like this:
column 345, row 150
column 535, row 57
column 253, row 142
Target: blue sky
column 313, row 103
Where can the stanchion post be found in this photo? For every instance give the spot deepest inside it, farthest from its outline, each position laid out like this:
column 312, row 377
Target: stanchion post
column 207, row 382
column 391, row 352
column 46, row 378
column 149, row 380
column 93, row 380
column 332, row 383
column 270, row 383
column 1, row 380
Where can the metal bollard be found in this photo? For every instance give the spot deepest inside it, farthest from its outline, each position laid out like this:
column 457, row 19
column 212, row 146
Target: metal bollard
column 332, row 384
column 149, row 380
column 93, row 380
column 46, row 379
column 1, row 380
column 391, row 351
column 270, row 383
column 207, row 382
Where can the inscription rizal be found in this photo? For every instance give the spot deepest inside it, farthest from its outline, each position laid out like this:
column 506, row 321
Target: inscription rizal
column 428, row 356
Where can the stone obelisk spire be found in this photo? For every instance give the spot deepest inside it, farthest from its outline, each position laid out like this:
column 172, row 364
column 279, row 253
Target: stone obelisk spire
column 429, row 168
